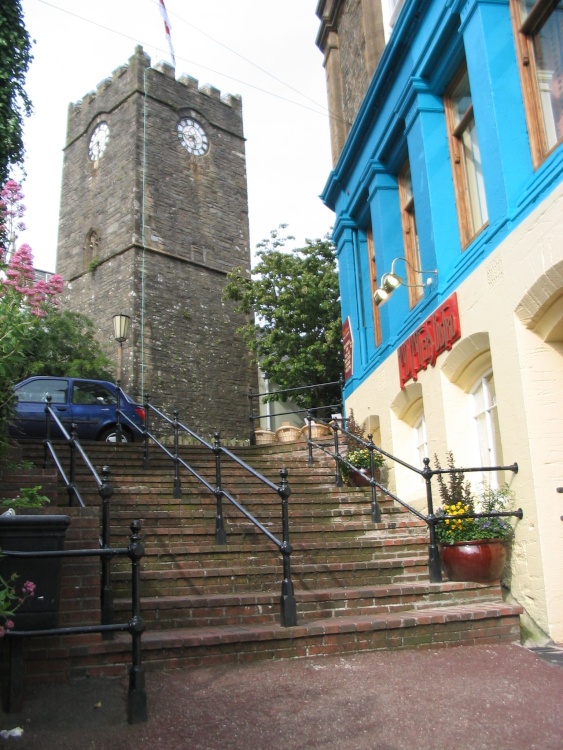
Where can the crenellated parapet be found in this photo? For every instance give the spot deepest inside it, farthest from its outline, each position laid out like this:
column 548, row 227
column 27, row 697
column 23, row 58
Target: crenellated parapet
column 159, row 82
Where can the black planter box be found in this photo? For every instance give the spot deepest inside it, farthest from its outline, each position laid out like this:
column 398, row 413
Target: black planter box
column 34, row 533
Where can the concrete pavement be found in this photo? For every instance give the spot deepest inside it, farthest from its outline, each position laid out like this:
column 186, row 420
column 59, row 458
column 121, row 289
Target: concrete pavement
column 472, row 697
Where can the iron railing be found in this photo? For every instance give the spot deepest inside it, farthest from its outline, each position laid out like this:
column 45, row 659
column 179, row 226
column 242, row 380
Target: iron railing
column 431, row 520
column 105, row 491
column 136, row 696
column 288, row 609
column 256, row 417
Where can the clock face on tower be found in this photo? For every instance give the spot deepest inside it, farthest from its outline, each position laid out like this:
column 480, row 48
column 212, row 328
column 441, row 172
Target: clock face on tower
column 98, row 141
column 193, row 137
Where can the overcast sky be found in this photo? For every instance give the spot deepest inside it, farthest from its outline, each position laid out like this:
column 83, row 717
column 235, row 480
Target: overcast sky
column 263, row 50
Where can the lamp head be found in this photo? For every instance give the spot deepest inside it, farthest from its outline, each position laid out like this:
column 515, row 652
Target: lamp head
column 390, row 281
column 121, row 327
column 380, row 296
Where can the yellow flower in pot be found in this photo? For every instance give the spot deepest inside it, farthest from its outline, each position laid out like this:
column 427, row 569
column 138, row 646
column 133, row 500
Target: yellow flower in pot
column 472, row 549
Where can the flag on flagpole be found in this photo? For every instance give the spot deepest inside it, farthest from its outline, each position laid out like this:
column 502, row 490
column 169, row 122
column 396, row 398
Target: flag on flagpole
column 166, row 20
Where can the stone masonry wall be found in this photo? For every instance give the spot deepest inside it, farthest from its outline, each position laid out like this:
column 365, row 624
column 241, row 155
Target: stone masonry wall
column 189, row 213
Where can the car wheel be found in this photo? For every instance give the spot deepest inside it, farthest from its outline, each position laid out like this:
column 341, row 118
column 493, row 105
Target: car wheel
column 110, row 435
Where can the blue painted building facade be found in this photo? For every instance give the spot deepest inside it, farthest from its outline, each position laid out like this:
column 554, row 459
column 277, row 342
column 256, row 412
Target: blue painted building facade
column 448, row 166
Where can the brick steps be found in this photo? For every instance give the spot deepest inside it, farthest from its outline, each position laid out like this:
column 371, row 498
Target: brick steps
column 358, row 585
column 177, row 580
column 239, row 609
column 470, row 624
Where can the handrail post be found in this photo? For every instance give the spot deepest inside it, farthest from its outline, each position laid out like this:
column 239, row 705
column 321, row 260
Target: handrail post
column 310, row 438
column 375, row 509
column 106, row 594
column 434, row 561
column 220, row 533
column 341, row 383
column 251, row 413
column 72, row 487
column 72, row 469
column 288, row 613
column 338, row 474
column 177, row 484
column 137, row 696
column 118, row 430
column 146, row 433
column 47, row 429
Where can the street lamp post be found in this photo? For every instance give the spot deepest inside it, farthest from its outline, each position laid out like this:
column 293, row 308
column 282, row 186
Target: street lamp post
column 120, row 331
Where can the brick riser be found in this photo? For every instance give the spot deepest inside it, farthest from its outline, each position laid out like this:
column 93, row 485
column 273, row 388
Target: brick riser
column 239, row 609
column 359, row 586
column 475, row 624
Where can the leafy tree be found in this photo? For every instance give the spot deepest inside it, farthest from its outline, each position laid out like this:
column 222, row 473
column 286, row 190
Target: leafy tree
column 296, row 333
column 23, row 303
column 36, row 338
column 64, row 345
column 15, row 56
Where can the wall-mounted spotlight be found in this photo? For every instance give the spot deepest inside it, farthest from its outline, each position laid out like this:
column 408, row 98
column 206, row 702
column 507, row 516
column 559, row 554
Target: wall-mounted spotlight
column 390, row 281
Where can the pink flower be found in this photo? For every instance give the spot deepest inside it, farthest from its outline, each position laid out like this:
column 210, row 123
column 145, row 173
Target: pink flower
column 28, row 588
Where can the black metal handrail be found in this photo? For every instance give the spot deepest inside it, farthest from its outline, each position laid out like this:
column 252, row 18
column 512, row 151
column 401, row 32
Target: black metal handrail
column 105, row 491
column 265, row 394
column 288, row 609
column 431, row 520
column 136, row 696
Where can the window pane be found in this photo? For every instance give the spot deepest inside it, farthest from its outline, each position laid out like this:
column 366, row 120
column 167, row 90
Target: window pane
column 548, row 53
column 461, row 98
column 475, row 183
column 38, row 390
column 92, row 393
column 466, row 159
column 488, row 432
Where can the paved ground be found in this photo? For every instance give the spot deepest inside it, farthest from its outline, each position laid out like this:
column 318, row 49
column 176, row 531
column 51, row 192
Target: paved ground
column 475, row 698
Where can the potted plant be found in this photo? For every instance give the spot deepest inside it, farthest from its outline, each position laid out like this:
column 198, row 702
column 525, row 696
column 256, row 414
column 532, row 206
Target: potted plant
column 31, row 532
column 472, row 549
column 360, row 474
column 29, row 497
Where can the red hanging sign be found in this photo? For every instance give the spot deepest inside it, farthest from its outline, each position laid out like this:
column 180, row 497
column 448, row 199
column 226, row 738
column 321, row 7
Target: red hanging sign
column 436, row 335
column 348, row 347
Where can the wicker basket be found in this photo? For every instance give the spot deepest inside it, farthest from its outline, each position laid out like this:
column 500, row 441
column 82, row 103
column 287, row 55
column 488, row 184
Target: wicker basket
column 318, row 431
column 288, row 433
column 265, row 437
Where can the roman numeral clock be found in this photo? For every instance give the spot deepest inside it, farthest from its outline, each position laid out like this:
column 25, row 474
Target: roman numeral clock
column 154, row 214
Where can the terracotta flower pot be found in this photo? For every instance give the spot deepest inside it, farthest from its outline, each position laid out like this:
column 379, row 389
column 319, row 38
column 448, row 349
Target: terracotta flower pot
column 480, row 561
column 361, row 477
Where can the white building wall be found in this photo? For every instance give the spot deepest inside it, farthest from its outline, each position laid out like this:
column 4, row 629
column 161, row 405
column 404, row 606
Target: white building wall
column 515, row 298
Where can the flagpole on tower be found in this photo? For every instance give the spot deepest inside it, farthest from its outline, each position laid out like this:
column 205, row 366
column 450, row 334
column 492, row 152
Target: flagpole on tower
column 166, row 20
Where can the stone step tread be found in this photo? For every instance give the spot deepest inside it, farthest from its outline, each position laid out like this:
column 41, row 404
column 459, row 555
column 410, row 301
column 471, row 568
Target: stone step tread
column 268, row 570
column 259, row 598
column 305, row 546
column 188, row 530
column 225, row 634
column 325, row 516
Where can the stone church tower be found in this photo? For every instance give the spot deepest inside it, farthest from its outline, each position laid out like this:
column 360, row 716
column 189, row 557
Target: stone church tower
column 154, row 214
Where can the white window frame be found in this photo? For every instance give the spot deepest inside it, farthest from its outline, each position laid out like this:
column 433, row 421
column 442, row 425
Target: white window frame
column 486, row 427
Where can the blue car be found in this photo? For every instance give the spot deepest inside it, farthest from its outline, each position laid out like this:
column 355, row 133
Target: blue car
column 89, row 404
